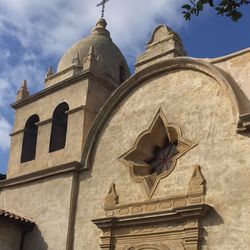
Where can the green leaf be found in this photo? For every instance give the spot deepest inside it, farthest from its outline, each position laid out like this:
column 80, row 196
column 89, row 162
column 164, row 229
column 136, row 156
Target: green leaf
column 199, row 5
column 186, row 6
column 211, row 3
column 223, row 3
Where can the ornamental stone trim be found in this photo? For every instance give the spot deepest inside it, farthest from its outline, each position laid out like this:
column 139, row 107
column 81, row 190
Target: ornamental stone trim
column 170, row 223
column 161, row 136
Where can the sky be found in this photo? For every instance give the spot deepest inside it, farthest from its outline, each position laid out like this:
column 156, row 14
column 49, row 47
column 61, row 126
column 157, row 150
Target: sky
column 36, row 33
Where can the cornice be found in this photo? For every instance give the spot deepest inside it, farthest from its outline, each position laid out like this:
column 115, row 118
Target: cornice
column 62, row 84
column 166, row 66
column 227, row 57
column 70, row 167
column 193, row 211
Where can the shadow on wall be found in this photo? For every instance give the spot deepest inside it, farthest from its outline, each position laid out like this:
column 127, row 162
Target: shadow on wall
column 243, row 99
column 34, row 240
column 212, row 220
column 245, row 134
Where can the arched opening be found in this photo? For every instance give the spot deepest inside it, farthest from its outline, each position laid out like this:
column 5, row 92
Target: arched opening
column 30, row 139
column 122, row 74
column 59, row 127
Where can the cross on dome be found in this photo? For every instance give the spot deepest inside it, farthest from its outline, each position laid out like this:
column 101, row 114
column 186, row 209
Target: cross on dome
column 102, row 3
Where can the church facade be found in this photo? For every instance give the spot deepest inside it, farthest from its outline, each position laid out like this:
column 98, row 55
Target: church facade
column 158, row 160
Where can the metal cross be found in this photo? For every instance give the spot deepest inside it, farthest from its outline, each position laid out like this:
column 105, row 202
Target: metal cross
column 103, row 6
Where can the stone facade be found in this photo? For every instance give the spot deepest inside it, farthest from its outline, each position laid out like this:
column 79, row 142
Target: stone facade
column 157, row 162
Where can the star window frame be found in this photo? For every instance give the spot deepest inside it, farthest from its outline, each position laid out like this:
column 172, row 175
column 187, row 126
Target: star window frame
column 142, row 158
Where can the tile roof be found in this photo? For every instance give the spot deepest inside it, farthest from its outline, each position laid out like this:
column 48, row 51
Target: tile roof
column 7, row 216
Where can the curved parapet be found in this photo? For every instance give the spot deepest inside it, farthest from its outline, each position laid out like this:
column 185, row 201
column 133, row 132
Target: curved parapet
column 226, row 83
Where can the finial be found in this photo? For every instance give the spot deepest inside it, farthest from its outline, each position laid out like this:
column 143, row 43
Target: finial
column 89, row 61
column 102, row 3
column 24, row 84
column 100, row 28
column 23, row 92
column 49, row 72
column 101, row 23
column 111, row 199
column 197, row 182
column 76, row 60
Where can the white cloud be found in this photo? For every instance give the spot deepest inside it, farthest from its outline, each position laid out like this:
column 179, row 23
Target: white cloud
column 4, row 54
column 45, row 28
column 5, row 129
column 12, row 76
column 53, row 25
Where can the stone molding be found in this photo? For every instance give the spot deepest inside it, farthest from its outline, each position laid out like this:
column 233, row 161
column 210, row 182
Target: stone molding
column 170, row 65
column 164, row 43
column 16, row 132
column 44, row 122
column 51, row 89
column 161, row 224
column 162, row 33
column 153, row 58
column 158, row 205
column 151, row 246
column 180, row 226
column 227, row 57
column 76, row 69
column 47, row 121
column 195, row 195
column 244, row 123
column 62, row 84
column 80, row 108
column 70, row 167
column 145, row 145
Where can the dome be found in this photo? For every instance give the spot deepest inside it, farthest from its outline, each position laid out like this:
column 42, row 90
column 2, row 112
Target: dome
column 114, row 62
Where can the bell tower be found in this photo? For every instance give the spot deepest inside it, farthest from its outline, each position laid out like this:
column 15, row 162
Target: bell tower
column 51, row 126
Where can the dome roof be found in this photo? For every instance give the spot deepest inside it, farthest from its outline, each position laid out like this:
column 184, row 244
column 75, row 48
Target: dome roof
column 99, row 39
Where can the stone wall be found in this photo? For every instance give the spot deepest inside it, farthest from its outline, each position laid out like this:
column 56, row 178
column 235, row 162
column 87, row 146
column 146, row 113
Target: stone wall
column 203, row 110
column 47, row 203
column 75, row 96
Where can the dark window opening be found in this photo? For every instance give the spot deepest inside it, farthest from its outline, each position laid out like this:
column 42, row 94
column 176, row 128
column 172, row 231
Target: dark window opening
column 30, row 139
column 59, row 127
column 163, row 157
column 122, row 74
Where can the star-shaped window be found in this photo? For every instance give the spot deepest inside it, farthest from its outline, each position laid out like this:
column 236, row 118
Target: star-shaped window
column 155, row 152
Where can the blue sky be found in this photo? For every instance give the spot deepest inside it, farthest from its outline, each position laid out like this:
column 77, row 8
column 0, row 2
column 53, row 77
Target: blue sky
column 35, row 34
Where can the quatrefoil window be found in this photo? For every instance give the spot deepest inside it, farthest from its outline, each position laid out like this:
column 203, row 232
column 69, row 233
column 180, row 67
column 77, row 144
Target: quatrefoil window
column 155, row 152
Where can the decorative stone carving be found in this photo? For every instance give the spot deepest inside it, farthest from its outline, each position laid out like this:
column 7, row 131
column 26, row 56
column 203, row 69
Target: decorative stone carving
column 171, row 223
column 177, row 226
column 111, row 199
column 165, row 43
column 49, row 72
column 76, row 60
column 155, row 152
column 150, row 247
column 23, row 92
column 244, row 123
column 197, row 182
column 90, row 61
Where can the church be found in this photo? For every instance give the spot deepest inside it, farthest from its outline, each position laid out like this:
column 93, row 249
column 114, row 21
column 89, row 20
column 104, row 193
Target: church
column 156, row 160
